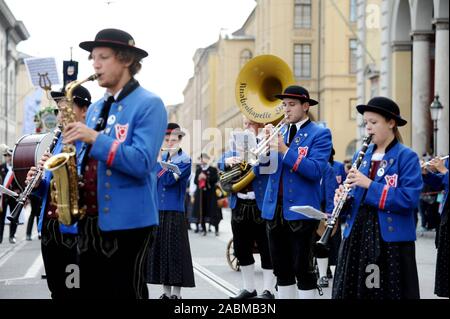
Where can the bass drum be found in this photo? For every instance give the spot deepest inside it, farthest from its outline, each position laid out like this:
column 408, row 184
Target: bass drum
column 27, row 153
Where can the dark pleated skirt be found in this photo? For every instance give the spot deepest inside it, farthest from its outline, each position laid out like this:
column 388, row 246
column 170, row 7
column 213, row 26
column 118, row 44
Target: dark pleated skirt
column 170, row 261
column 441, row 280
column 363, row 253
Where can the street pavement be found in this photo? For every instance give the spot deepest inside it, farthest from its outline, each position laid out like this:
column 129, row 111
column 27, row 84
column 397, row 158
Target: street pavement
column 21, row 267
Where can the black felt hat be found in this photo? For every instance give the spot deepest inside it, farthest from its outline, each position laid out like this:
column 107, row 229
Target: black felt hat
column 80, row 94
column 383, row 106
column 114, row 38
column 205, row 156
column 174, row 129
column 297, row 92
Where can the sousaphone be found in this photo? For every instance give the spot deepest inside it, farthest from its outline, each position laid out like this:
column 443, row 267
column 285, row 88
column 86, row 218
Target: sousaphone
column 258, row 82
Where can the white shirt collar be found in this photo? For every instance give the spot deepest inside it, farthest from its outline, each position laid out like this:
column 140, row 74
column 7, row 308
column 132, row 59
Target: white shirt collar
column 299, row 124
column 116, row 96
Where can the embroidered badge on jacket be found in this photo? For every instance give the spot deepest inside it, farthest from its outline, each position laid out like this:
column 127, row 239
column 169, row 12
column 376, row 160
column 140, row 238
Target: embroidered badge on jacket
column 303, row 151
column 391, row 180
column 121, row 132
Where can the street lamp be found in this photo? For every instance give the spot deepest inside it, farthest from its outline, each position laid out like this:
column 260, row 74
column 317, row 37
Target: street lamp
column 435, row 110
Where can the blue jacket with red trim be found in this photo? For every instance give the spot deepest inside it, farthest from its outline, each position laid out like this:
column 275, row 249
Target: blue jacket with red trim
column 259, row 184
column 328, row 187
column 439, row 181
column 301, row 168
column 339, row 171
column 171, row 186
column 127, row 154
column 395, row 193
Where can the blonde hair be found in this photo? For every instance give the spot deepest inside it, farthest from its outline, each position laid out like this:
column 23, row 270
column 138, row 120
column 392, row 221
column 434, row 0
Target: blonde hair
column 397, row 134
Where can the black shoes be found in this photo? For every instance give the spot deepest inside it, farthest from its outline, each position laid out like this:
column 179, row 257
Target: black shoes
column 28, row 237
column 266, row 294
column 164, row 296
column 244, row 294
column 323, row 282
column 12, row 240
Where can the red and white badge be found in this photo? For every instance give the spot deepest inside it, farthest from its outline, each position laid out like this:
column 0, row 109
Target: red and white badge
column 121, row 132
column 303, row 151
column 391, row 180
column 339, row 179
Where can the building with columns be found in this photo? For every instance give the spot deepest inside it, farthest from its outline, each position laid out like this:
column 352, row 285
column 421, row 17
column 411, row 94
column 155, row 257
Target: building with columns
column 12, row 32
column 344, row 53
column 411, row 66
column 317, row 39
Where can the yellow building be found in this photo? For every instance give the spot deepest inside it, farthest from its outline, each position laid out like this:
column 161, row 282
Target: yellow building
column 317, row 39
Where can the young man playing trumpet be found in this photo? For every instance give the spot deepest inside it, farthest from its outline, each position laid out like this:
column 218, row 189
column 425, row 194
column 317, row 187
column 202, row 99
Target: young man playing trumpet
column 300, row 156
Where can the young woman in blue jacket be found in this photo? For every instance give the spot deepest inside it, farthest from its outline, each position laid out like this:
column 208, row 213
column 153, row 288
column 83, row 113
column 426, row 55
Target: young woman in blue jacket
column 377, row 254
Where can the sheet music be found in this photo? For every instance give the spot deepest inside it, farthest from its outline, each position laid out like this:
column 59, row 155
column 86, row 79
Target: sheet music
column 243, row 143
column 309, row 211
column 36, row 66
column 171, row 167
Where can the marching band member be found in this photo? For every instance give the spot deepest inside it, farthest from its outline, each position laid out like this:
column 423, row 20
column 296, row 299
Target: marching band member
column 436, row 175
column 248, row 227
column 298, row 165
column 124, row 133
column 58, row 241
column 170, row 261
column 377, row 255
column 8, row 203
column 328, row 186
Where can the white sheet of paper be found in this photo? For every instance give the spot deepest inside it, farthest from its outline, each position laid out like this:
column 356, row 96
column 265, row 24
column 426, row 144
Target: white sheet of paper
column 171, row 167
column 309, row 211
column 36, row 66
column 243, row 142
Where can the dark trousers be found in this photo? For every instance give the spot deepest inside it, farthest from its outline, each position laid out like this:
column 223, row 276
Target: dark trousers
column 290, row 244
column 35, row 210
column 12, row 226
column 248, row 227
column 113, row 264
column 58, row 252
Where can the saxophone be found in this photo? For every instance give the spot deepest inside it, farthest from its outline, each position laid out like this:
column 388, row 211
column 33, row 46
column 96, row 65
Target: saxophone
column 64, row 185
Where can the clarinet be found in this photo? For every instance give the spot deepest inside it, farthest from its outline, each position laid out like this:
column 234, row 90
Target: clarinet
column 21, row 200
column 338, row 208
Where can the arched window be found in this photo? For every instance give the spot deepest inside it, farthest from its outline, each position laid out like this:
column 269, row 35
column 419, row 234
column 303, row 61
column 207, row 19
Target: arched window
column 246, row 55
column 351, row 149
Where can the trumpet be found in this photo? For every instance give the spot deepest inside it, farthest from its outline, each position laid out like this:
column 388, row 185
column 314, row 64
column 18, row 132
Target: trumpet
column 423, row 165
column 262, row 147
column 169, row 149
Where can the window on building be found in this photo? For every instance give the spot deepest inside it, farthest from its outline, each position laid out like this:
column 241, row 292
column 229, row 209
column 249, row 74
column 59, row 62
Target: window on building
column 353, row 10
column 353, row 56
column 302, row 14
column 350, row 150
column 246, row 55
column 302, row 60
column 352, row 109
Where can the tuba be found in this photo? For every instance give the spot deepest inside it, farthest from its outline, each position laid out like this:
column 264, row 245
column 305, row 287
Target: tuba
column 64, row 185
column 258, row 82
